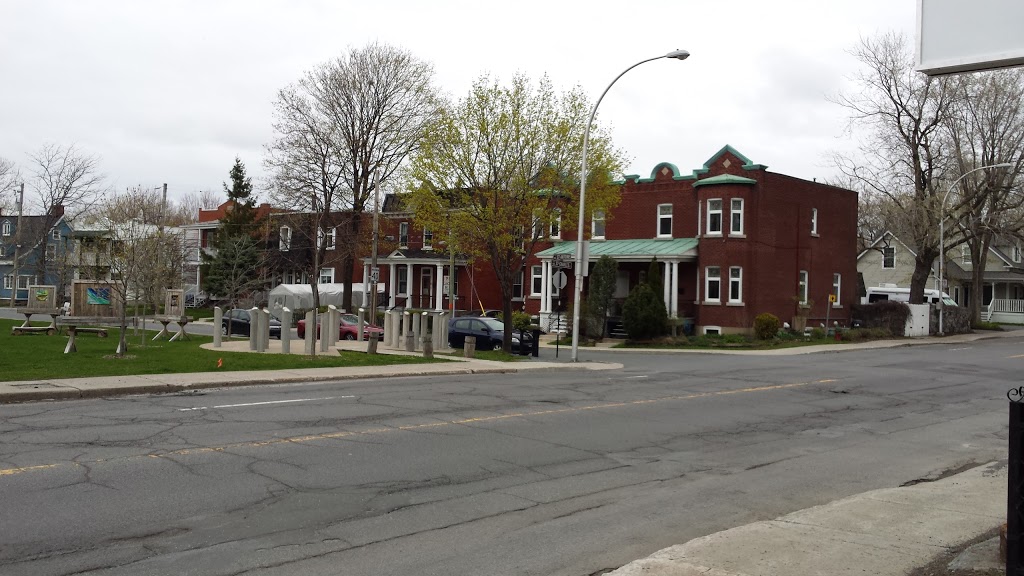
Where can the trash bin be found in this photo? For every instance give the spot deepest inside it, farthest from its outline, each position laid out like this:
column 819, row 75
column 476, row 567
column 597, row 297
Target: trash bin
column 535, row 347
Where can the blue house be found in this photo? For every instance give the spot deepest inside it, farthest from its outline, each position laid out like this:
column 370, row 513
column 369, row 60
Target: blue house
column 42, row 245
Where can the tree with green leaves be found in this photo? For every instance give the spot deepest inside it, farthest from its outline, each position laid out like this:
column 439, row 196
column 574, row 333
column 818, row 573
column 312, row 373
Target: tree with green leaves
column 235, row 267
column 500, row 167
column 601, row 290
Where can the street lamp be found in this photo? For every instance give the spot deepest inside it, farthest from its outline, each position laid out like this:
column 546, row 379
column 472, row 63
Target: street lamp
column 578, row 287
column 942, row 233
column 17, row 245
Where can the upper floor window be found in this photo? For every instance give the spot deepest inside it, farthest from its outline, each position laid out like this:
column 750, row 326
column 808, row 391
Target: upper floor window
column 802, row 287
column 736, row 216
column 331, row 238
column 713, row 284
column 285, row 239
column 664, row 220
column 51, row 252
column 428, row 239
column 715, row 216
column 597, row 224
column 1016, row 252
column 7, row 228
column 814, row 221
column 403, row 235
column 889, row 257
column 965, row 254
column 556, row 224
column 538, row 226
column 55, row 233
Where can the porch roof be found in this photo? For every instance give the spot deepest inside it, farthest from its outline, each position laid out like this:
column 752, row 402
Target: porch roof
column 631, row 250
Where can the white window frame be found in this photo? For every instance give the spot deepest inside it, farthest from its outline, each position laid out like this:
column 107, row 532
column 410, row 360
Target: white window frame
column 1016, row 252
column 24, row 281
column 803, row 287
column 891, row 249
column 814, row 221
column 326, row 273
column 7, row 228
column 736, row 216
column 736, row 281
column 555, row 232
column 716, row 279
column 284, row 240
column 55, row 233
column 517, row 281
column 965, row 254
column 331, row 238
column 403, row 234
column 51, row 252
column 536, row 280
column 837, row 285
column 538, row 227
column 663, row 216
column 402, row 281
column 714, row 230
column 3, row 250
column 8, row 281
column 595, row 218
column 428, row 239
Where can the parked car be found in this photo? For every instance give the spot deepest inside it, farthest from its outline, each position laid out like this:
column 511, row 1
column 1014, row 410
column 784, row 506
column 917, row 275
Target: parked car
column 489, row 333
column 484, row 313
column 239, row 320
column 348, row 329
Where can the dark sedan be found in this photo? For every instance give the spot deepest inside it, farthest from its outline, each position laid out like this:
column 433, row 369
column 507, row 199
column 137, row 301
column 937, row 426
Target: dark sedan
column 239, row 322
column 489, row 333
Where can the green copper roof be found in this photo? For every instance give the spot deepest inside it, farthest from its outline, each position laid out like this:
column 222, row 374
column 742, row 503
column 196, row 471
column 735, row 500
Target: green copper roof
column 747, row 165
column 629, row 249
column 724, row 179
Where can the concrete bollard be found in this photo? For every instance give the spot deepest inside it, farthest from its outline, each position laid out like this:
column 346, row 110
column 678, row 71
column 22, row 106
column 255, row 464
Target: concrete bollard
column 469, row 348
column 254, row 318
column 218, row 326
column 417, row 328
column 425, row 328
column 286, row 331
column 410, row 342
column 310, row 336
column 335, row 324
column 406, row 326
column 428, row 346
column 360, row 332
column 265, row 328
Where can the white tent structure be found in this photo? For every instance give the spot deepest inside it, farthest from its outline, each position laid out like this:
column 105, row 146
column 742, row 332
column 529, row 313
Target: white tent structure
column 300, row 296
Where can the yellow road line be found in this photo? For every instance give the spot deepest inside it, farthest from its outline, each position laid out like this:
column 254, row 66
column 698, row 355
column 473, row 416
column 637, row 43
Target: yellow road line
column 414, row 427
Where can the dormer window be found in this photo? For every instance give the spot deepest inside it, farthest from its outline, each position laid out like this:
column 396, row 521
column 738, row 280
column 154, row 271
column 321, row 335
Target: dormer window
column 597, row 225
column 556, row 225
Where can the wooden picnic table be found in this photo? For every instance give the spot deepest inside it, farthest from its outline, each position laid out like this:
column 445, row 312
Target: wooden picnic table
column 27, row 328
column 90, row 324
column 182, row 321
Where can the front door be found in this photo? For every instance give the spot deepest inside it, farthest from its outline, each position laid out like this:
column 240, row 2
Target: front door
column 986, row 295
column 426, row 287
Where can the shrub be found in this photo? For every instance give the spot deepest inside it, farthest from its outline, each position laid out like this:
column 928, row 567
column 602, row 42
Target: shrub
column 885, row 314
column 818, row 334
column 766, row 326
column 643, row 314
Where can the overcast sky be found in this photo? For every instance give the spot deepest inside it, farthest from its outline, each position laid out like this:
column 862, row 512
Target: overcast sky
column 172, row 91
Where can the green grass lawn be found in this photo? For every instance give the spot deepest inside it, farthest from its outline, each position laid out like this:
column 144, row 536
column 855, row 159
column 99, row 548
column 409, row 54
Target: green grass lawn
column 41, row 357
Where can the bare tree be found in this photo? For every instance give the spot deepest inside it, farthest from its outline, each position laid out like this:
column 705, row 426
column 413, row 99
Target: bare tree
column 186, row 209
column 366, row 110
column 899, row 114
column 9, row 178
column 986, row 128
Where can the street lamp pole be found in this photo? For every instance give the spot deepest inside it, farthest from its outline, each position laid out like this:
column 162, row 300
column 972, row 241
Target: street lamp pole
column 17, row 244
column 578, row 286
column 942, row 234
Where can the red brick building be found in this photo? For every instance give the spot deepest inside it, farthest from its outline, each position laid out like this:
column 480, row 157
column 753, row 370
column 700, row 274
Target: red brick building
column 733, row 240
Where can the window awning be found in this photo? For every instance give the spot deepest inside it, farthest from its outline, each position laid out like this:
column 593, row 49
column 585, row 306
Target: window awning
column 680, row 249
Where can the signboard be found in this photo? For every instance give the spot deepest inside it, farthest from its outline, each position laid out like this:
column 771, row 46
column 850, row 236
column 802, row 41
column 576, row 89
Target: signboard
column 561, row 261
column 558, row 280
column 832, row 298
column 957, row 36
column 375, row 274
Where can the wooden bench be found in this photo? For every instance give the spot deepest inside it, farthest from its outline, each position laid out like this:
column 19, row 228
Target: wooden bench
column 182, row 321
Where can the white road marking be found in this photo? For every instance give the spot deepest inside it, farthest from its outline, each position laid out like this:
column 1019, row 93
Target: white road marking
column 261, row 403
column 632, row 377
column 955, row 349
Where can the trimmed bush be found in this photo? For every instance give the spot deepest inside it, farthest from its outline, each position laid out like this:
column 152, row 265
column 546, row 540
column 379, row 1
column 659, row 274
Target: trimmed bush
column 643, row 314
column 766, row 326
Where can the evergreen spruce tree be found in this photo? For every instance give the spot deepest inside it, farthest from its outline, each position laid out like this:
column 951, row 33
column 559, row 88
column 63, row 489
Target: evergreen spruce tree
column 233, row 270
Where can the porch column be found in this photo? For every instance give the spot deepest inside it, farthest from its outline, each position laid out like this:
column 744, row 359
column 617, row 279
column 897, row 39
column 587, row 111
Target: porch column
column 439, row 290
column 366, row 285
column 666, row 284
column 409, row 281
column 545, row 286
column 674, row 312
column 393, row 284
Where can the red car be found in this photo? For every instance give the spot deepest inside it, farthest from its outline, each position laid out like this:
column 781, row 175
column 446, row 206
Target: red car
column 348, row 329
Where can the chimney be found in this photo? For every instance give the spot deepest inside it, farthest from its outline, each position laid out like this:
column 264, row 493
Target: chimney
column 57, row 210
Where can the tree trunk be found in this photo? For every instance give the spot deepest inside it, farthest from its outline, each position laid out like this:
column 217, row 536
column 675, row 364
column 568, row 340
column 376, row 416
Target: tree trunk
column 347, row 261
column 922, row 269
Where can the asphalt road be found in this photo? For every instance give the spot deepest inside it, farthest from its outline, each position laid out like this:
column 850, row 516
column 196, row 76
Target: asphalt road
column 565, row 473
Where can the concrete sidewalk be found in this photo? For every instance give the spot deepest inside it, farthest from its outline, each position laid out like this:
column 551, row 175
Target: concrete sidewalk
column 885, row 532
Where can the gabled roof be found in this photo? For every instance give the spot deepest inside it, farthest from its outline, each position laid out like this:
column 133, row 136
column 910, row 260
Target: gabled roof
column 747, row 165
column 881, row 239
column 636, row 250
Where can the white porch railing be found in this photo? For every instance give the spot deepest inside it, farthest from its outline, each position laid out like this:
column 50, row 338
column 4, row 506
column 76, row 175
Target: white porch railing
column 1006, row 310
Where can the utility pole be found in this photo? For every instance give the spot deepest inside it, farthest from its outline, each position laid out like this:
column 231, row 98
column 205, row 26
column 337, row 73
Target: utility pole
column 17, row 244
column 371, row 345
